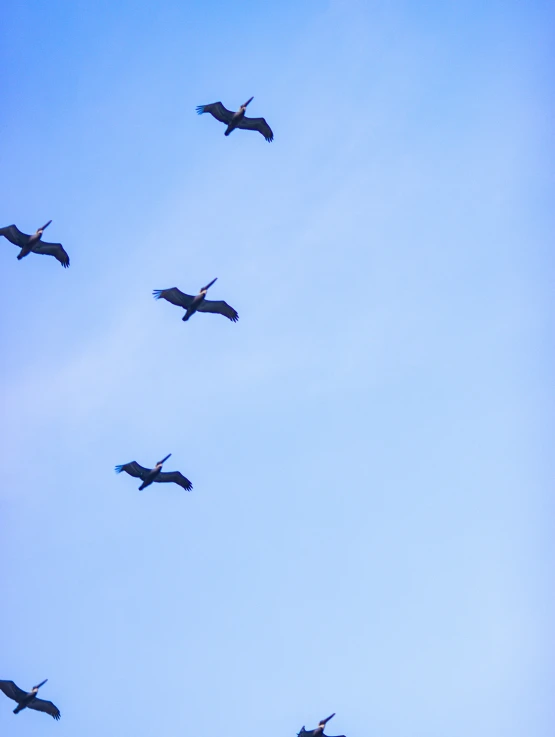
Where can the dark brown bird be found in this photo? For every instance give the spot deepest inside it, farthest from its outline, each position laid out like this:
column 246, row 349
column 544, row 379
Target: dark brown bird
column 28, row 700
column 34, row 244
column 238, row 119
column 148, row 475
column 196, row 304
column 318, row 732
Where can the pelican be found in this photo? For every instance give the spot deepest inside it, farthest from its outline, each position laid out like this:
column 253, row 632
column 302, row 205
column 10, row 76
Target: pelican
column 196, row 304
column 318, row 732
column 28, row 700
column 34, row 244
column 238, row 119
column 155, row 474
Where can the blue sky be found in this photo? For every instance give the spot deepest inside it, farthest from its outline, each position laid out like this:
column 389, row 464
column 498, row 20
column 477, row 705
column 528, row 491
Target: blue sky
column 370, row 527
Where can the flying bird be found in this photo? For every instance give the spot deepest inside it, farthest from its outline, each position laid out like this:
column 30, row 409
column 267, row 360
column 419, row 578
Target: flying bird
column 318, row 732
column 34, row 244
column 28, row 700
column 196, row 304
column 238, row 119
column 148, row 475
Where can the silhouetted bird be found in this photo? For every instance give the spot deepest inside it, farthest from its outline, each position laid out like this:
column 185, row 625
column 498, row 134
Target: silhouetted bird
column 155, row 474
column 318, row 732
column 238, row 119
column 196, row 304
column 34, row 244
column 28, row 700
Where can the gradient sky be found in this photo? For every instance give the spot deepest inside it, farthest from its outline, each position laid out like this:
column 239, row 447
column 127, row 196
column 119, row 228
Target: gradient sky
column 370, row 530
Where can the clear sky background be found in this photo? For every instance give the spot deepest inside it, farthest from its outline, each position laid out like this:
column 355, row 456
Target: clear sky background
column 370, row 530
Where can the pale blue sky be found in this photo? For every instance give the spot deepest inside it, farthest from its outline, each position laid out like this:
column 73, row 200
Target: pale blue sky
column 370, row 530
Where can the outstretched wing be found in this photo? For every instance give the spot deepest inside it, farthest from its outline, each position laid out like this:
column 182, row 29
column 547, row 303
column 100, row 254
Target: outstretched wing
column 13, row 234
column 8, row 687
column 216, row 109
column 220, row 308
column 52, row 249
column 257, row 124
column 46, row 706
column 133, row 469
column 175, row 296
column 174, row 477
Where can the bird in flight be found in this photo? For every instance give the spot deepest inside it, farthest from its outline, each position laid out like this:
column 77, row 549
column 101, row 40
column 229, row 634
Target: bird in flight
column 34, row 244
column 196, row 304
column 28, row 700
column 238, row 119
column 318, row 732
column 148, row 475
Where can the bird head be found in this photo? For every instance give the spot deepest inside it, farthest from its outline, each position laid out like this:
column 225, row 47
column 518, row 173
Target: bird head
column 323, row 722
column 44, row 227
column 244, row 106
column 207, row 287
column 36, row 688
column 163, row 460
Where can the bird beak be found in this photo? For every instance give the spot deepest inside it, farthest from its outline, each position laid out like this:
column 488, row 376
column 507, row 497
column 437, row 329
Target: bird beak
column 45, row 226
column 247, row 102
column 324, row 721
column 41, row 683
column 212, row 282
column 165, row 459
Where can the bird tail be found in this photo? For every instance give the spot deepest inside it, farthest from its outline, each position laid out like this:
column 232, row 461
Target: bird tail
column 18, row 708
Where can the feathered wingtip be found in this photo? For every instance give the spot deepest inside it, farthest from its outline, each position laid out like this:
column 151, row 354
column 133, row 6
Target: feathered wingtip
column 119, row 469
column 157, row 293
column 200, row 109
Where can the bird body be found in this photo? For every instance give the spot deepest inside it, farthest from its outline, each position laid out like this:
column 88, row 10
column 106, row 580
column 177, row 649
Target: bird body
column 34, row 243
column 318, row 731
column 199, row 303
column 148, row 475
column 237, row 119
column 28, row 700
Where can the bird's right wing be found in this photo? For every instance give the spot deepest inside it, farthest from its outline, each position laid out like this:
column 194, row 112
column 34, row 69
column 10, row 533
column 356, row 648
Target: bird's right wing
column 46, row 706
column 216, row 109
column 133, row 469
column 13, row 234
column 220, row 308
column 257, row 124
column 52, row 249
column 174, row 477
column 11, row 690
column 175, row 296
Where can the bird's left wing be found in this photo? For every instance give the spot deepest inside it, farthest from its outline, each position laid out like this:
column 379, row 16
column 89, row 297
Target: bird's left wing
column 52, row 249
column 46, row 706
column 220, row 308
column 12, row 691
column 257, row 124
column 216, row 109
column 14, row 235
column 176, row 477
column 175, row 296
column 133, row 469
